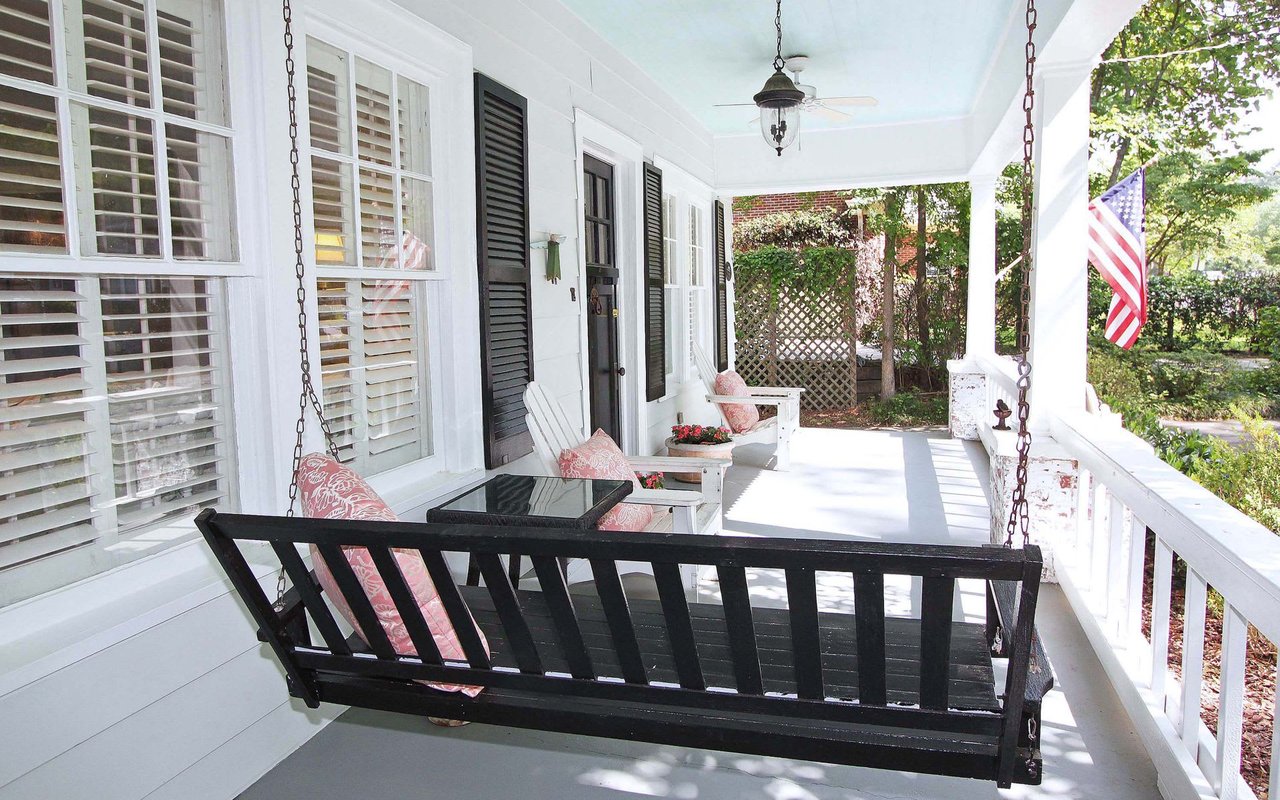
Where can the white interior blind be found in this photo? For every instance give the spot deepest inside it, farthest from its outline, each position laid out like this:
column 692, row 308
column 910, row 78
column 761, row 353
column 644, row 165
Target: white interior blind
column 32, row 214
column 26, row 50
column 120, row 176
column 46, row 494
column 166, row 396
column 111, row 61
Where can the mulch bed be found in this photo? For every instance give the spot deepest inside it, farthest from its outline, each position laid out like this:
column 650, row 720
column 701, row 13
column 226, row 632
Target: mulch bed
column 1260, row 673
column 852, row 418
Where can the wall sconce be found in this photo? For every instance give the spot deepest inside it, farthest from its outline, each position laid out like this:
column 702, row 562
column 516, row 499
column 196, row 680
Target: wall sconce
column 552, row 246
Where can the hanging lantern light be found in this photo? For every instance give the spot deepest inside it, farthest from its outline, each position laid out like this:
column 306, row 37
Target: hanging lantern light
column 779, row 101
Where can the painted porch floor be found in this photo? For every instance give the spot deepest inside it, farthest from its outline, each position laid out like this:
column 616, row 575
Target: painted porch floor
column 889, row 485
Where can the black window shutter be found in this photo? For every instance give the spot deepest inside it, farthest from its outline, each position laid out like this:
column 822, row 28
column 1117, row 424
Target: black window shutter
column 502, row 229
column 722, row 292
column 655, row 354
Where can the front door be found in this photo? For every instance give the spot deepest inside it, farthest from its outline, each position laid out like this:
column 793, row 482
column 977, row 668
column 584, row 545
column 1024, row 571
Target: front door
column 603, row 369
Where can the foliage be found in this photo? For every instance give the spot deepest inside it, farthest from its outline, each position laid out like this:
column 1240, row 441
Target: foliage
column 1268, row 331
column 814, row 269
column 796, row 230
column 652, row 480
column 1193, row 385
column 1115, row 379
column 1247, row 477
column 908, row 408
column 700, row 434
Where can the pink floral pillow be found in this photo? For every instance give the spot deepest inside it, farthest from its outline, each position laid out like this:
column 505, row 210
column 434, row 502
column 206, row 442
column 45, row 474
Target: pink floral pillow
column 742, row 417
column 330, row 490
column 599, row 457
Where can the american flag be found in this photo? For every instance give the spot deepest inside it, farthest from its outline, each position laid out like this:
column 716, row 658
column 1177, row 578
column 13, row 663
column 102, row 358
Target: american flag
column 1118, row 248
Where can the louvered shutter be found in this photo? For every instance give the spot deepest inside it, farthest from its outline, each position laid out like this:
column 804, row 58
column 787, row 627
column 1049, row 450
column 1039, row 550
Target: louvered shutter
column 502, row 224
column 32, row 215
column 655, row 274
column 721, row 292
column 166, row 395
column 46, row 492
column 28, row 50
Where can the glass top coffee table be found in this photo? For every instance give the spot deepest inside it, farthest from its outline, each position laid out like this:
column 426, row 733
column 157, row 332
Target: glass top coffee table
column 531, row 501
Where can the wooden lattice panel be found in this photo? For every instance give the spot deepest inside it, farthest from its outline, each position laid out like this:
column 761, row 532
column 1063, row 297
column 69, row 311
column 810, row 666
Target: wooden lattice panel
column 799, row 338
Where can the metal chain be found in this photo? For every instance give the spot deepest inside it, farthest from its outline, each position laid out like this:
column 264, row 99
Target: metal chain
column 307, row 395
column 778, row 61
column 1019, row 516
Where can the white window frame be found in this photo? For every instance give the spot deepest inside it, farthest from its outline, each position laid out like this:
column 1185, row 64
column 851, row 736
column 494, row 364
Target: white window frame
column 672, row 293
column 111, row 549
column 689, row 192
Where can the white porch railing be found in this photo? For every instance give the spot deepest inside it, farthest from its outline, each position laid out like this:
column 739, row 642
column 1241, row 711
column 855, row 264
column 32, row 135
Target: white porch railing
column 1127, row 490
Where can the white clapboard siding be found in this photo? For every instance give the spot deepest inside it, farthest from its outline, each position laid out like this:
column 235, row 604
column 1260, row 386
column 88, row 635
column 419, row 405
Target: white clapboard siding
column 32, row 214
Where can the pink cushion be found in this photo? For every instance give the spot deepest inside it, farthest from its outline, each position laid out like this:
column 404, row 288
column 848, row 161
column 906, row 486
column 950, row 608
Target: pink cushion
column 330, row 490
column 599, row 457
column 742, row 417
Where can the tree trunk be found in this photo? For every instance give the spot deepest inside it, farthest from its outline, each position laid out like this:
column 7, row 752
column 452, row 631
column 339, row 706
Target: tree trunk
column 887, row 339
column 922, row 297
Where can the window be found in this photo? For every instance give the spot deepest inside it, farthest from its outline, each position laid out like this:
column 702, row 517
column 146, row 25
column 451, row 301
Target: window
column 372, row 205
column 114, row 398
column 671, row 287
column 699, row 294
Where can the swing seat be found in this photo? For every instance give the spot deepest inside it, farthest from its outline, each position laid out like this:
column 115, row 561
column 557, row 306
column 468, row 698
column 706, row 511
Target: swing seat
column 858, row 688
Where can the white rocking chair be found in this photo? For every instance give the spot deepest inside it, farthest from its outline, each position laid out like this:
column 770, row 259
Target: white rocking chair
column 776, row 430
column 692, row 510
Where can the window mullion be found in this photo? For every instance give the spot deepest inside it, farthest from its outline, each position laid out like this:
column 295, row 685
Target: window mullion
column 359, row 370
column 102, row 458
column 353, row 133
column 57, row 40
column 158, row 132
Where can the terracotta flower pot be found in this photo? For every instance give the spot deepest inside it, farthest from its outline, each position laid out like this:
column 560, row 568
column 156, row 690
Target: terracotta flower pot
column 723, row 452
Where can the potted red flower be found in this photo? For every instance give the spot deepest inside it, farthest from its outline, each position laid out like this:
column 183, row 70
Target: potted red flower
column 699, row 441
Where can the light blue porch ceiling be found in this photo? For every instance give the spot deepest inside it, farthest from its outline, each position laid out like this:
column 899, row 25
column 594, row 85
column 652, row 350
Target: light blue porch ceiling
column 922, row 59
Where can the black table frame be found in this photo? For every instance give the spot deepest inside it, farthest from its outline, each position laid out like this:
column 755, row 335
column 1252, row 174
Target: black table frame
column 584, row 522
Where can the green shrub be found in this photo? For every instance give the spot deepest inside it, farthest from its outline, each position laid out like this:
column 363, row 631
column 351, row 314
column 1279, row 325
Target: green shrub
column 1267, row 333
column 908, row 408
column 1116, row 380
column 1247, row 477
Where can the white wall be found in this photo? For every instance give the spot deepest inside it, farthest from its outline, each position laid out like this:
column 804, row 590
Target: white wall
column 174, row 697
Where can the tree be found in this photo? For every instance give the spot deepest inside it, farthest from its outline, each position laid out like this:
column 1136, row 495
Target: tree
column 888, row 338
column 922, row 293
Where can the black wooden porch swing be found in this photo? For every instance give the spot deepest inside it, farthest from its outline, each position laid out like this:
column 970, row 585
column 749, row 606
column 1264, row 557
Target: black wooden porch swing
column 861, row 689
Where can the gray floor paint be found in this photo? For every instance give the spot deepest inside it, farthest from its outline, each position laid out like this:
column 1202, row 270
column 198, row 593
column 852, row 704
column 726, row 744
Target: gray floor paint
column 878, row 485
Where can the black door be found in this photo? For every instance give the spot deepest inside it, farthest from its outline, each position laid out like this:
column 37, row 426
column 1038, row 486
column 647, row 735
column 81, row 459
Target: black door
column 603, row 370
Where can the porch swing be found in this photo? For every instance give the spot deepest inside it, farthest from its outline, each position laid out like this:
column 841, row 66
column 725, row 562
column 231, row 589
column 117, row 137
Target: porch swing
column 860, row 688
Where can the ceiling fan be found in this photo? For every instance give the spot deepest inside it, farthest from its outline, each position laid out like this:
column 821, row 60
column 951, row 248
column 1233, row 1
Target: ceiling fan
column 826, row 107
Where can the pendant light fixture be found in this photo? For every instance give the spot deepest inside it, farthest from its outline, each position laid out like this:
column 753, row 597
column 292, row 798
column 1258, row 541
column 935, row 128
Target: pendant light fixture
column 779, row 101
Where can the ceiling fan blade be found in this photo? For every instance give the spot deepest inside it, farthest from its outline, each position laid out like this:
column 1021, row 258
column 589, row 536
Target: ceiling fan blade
column 734, row 105
column 850, row 101
column 835, row 115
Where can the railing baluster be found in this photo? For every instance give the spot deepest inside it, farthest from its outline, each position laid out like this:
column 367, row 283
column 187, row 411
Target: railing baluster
column 563, row 614
column 1162, row 585
column 1274, row 774
column 311, row 599
column 507, row 604
column 935, row 641
column 1113, row 594
column 868, row 612
column 1131, row 619
column 357, row 600
column 621, row 628
column 741, row 628
column 414, row 623
column 675, row 610
column 1098, row 550
column 1192, row 661
column 806, row 644
column 1235, row 644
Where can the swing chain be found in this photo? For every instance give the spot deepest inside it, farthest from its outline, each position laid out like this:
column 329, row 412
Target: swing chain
column 307, row 396
column 1019, row 516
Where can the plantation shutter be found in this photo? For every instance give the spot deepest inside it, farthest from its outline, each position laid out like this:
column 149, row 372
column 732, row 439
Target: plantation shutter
column 721, row 292
column 45, row 402
column 655, row 278
column 502, row 226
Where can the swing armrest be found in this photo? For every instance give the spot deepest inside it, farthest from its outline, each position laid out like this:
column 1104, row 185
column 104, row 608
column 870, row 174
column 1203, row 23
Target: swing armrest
column 754, row 399
column 664, row 497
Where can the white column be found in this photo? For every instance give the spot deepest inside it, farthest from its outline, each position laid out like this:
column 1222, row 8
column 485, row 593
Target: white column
column 1059, row 284
column 980, row 320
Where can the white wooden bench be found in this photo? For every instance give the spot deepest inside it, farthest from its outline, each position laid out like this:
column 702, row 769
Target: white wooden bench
column 776, row 430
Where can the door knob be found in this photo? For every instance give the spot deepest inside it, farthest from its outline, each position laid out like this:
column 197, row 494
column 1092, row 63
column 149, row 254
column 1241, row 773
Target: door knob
column 622, row 371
